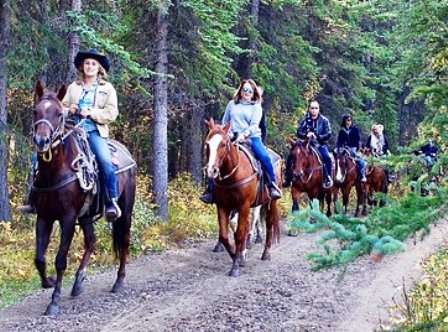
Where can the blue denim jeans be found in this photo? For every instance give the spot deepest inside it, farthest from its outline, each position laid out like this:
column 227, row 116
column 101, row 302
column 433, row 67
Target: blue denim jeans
column 100, row 149
column 261, row 153
column 326, row 159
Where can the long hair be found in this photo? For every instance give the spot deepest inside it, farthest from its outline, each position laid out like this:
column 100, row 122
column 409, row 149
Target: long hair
column 102, row 74
column 256, row 98
column 344, row 118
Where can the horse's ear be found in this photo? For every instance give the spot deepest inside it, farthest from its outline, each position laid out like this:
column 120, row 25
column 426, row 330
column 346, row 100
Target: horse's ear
column 40, row 90
column 227, row 127
column 292, row 142
column 210, row 123
column 61, row 92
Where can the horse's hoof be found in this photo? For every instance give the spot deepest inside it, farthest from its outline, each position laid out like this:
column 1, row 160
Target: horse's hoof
column 234, row 272
column 293, row 233
column 78, row 289
column 266, row 256
column 48, row 283
column 258, row 240
column 118, row 287
column 52, row 310
column 219, row 247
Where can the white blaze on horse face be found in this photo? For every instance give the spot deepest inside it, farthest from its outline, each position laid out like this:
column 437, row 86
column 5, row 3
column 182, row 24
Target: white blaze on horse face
column 339, row 174
column 213, row 144
column 47, row 104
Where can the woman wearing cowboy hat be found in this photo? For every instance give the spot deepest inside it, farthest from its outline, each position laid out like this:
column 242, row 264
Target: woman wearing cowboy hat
column 94, row 99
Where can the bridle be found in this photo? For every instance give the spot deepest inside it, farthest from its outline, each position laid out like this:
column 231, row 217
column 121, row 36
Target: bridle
column 344, row 155
column 235, row 163
column 304, row 170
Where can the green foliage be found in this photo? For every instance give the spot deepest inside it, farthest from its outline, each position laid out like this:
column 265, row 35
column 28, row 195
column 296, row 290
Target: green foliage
column 100, row 30
column 424, row 308
column 381, row 233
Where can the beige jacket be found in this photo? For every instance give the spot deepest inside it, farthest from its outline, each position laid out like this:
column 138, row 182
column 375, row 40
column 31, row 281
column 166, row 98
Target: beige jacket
column 105, row 109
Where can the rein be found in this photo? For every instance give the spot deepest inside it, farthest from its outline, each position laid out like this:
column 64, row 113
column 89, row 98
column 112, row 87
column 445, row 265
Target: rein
column 236, row 164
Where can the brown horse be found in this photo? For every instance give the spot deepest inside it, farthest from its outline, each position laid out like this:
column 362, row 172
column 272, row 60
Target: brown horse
column 376, row 180
column 58, row 195
column 236, row 183
column 307, row 176
column 346, row 177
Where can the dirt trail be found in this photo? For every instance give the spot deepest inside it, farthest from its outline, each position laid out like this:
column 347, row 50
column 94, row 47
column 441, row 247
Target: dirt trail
column 189, row 290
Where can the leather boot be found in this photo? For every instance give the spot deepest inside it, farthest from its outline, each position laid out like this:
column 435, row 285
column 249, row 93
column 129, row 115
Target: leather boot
column 207, row 196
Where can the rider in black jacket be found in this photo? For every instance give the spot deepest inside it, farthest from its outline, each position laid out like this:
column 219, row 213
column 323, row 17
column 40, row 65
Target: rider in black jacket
column 317, row 129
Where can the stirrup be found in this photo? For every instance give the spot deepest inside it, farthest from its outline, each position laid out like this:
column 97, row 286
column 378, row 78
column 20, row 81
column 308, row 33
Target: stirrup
column 26, row 209
column 274, row 191
column 363, row 178
column 113, row 212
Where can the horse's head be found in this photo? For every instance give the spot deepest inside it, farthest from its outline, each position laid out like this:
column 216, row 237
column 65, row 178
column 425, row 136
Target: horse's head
column 217, row 146
column 342, row 164
column 48, row 119
column 300, row 158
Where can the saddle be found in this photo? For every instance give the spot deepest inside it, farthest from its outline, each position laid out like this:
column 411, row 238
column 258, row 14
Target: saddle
column 262, row 192
column 86, row 169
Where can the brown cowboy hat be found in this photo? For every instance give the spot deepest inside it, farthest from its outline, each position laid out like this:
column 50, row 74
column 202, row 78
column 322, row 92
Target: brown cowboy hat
column 92, row 54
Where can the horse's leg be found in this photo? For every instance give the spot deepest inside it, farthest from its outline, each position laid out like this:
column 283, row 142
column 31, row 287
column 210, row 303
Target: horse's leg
column 240, row 241
column 345, row 197
column 218, row 247
column 122, row 238
column 258, row 224
column 272, row 229
column 223, row 221
column 67, row 232
column 43, row 232
column 89, row 247
column 295, row 208
column 295, row 199
column 328, row 199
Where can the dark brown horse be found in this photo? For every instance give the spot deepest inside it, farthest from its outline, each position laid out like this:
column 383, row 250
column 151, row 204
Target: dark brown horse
column 235, row 188
column 307, row 176
column 58, row 195
column 376, row 180
column 346, row 176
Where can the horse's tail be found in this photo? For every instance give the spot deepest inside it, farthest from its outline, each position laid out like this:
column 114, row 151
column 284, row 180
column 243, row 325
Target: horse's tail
column 121, row 238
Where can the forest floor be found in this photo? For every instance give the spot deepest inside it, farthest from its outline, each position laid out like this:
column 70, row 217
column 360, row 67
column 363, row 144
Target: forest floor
column 188, row 290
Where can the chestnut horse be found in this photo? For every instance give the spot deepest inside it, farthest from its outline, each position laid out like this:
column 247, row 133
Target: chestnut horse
column 346, row 177
column 235, row 188
column 307, row 176
column 58, row 195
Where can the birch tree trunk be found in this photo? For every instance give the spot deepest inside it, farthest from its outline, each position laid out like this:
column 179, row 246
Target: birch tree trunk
column 160, row 138
column 5, row 209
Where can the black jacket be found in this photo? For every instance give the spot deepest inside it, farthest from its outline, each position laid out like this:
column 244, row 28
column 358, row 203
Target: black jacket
column 320, row 127
column 350, row 137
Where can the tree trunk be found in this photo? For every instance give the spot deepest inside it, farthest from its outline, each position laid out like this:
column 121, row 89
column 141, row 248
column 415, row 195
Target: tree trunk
column 160, row 141
column 5, row 209
column 73, row 46
column 195, row 153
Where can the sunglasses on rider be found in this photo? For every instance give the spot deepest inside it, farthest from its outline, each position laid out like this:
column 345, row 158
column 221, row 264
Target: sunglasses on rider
column 247, row 89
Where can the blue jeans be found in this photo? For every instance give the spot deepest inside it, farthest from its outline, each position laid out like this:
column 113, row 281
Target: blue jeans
column 261, row 153
column 100, row 149
column 326, row 158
